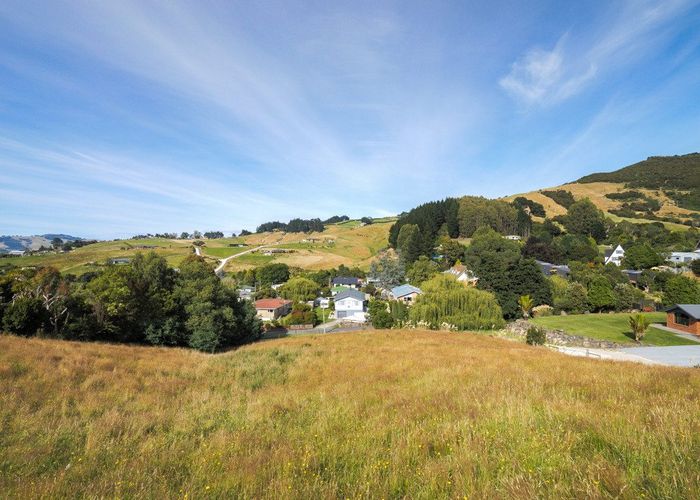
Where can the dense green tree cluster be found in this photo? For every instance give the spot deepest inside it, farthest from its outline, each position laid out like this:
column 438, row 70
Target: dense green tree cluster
column 293, row 226
column 336, row 219
column 561, row 196
column 535, row 208
column 678, row 176
column 143, row 302
column 477, row 212
column 445, row 301
column 430, row 218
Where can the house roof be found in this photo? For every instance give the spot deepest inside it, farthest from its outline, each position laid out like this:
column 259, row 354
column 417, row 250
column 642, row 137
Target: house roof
column 346, row 280
column 271, row 303
column 350, row 293
column 692, row 310
column 403, row 290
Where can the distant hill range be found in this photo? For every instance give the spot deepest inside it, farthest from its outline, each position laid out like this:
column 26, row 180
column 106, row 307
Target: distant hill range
column 16, row 244
column 660, row 188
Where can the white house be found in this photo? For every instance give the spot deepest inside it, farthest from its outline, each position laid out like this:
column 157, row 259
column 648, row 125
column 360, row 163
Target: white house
column 323, row 302
column 513, row 237
column 347, row 281
column 683, row 257
column 463, row 274
column 350, row 305
column 615, row 255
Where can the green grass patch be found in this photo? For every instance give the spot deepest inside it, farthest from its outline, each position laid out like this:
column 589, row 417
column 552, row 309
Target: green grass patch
column 223, row 252
column 612, row 327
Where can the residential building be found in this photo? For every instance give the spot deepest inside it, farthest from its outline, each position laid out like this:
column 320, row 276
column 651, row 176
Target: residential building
column 683, row 257
column 406, row 293
column 272, row 309
column 684, row 317
column 615, row 255
column 633, row 275
column 554, row 269
column 350, row 305
column 322, row 302
column 337, row 289
column 120, row 260
column 463, row 274
column 513, row 237
column 347, row 281
column 246, row 292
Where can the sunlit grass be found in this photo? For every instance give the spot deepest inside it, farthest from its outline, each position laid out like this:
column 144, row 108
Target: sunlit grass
column 376, row 414
column 613, row 327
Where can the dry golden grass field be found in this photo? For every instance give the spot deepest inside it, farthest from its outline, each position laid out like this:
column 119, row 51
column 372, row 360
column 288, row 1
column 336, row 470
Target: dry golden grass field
column 596, row 192
column 388, row 414
column 346, row 243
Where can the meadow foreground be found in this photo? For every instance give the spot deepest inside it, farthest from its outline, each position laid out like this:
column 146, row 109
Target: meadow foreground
column 377, row 414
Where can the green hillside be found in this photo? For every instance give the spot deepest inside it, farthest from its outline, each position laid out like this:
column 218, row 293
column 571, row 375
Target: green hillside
column 678, row 176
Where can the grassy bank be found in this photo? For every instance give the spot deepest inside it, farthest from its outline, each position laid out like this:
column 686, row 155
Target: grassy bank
column 376, row 414
column 613, row 327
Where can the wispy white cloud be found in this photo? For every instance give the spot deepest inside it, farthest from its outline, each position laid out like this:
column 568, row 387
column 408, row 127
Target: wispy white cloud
column 544, row 77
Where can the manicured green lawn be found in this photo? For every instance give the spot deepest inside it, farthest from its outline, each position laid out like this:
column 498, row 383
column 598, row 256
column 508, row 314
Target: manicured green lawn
column 222, row 252
column 613, row 327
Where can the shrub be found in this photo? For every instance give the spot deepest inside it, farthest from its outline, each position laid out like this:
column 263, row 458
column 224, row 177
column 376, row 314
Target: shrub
column 639, row 324
column 536, row 336
column 543, row 310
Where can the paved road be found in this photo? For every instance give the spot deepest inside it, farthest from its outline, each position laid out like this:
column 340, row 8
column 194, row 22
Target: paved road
column 679, row 355
column 222, row 263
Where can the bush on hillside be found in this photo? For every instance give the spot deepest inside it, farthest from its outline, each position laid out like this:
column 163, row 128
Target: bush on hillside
column 536, row 336
column 543, row 310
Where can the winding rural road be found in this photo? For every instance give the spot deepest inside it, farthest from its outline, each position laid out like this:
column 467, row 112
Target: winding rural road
column 222, row 263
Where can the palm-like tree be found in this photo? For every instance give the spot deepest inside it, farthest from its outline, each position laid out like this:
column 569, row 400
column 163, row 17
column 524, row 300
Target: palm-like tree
column 639, row 324
column 526, row 303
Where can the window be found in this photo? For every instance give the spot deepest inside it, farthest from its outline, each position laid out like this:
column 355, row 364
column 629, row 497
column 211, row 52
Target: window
column 681, row 319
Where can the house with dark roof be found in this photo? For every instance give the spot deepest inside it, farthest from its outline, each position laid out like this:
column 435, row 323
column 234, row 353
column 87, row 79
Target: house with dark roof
column 615, row 255
column 684, row 317
column 633, row 275
column 350, row 305
column 553, row 269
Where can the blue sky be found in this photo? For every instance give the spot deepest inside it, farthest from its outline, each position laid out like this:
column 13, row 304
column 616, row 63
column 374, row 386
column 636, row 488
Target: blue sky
column 121, row 117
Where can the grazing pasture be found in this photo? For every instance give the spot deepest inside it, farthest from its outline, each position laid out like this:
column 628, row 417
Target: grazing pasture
column 384, row 414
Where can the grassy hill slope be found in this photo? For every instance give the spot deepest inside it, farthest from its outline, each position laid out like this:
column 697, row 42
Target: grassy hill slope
column 672, row 181
column 376, row 414
column 347, row 243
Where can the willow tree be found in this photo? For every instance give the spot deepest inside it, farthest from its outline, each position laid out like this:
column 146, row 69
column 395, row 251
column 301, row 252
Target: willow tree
column 445, row 301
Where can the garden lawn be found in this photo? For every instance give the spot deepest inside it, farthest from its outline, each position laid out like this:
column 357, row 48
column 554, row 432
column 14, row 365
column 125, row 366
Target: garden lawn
column 613, row 327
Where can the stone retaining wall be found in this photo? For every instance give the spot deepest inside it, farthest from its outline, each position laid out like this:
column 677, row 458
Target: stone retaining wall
column 559, row 337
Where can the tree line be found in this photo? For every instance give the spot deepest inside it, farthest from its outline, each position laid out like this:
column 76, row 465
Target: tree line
column 144, row 302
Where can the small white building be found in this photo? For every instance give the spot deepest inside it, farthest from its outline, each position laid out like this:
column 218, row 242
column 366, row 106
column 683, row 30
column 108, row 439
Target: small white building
column 462, row 274
column 513, row 237
column 323, row 302
column 683, row 257
column 350, row 305
column 615, row 255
